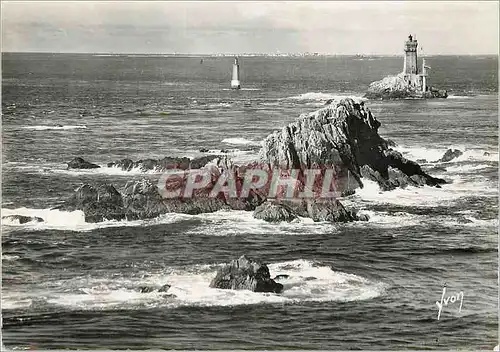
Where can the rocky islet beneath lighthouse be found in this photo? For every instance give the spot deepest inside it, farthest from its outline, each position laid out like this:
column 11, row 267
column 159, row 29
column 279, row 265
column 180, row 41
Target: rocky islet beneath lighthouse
column 409, row 84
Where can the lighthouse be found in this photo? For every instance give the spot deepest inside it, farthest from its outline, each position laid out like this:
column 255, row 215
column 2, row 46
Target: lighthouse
column 410, row 62
column 235, row 80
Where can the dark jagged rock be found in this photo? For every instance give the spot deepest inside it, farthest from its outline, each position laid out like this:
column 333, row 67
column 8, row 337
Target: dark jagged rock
column 328, row 210
column 146, row 289
column 164, row 164
column 343, row 137
column 164, row 288
column 245, row 274
column 22, row 219
column 80, row 163
column 99, row 203
column 421, row 161
column 449, row 155
column 149, row 289
column 204, row 150
column 142, row 200
column 274, row 212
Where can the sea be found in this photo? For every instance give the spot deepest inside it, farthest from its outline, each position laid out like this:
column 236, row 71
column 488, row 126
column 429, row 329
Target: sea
column 69, row 284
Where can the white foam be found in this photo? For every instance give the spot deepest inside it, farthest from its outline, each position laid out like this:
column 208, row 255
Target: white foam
column 15, row 303
column 467, row 168
column 8, row 257
column 104, row 170
column 229, row 151
column 220, row 105
column 459, row 97
column 240, row 141
column 324, row 96
column 433, row 154
column 233, row 222
column 386, row 220
column 426, row 196
column 307, row 281
column 75, row 221
column 403, row 219
column 44, row 128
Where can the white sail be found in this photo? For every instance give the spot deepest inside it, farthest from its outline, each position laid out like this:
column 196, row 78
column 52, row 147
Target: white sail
column 235, row 80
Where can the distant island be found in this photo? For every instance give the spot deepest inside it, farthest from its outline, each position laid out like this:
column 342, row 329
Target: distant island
column 411, row 83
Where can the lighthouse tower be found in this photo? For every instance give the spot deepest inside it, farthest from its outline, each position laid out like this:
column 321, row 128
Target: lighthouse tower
column 235, row 80
column 410, row 63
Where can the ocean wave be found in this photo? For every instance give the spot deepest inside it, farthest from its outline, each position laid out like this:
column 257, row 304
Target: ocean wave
column 9, row 257
column 468, row 168
column 105, row 170
column 307, row 282
column 433, row 154
column 220, row 105
column 58, row 127
column 244, row 89
column 54, row 219
column 426, row 196
column 240, row 141
column 237, row 222
column 389, row 220
column 229, row 151
column 460, row 97
column 324, row 96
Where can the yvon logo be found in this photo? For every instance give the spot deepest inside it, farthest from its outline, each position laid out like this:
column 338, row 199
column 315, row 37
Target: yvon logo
column 449, row 299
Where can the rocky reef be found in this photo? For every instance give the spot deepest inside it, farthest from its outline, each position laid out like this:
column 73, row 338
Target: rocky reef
column 339, row 142
column 397, row 87
column 245, row 274
column 162, row 164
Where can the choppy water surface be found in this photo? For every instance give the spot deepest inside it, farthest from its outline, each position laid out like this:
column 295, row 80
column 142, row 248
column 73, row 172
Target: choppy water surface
column 71, row 284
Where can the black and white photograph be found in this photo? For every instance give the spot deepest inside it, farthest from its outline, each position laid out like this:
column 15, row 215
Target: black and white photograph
column 249, row 175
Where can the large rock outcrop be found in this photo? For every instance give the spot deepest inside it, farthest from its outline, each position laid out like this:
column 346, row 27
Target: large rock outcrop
column 99, row 203
column 399, row 87
column 342, row 137
column 245, row 274
column 340, row 142
column 449, row 155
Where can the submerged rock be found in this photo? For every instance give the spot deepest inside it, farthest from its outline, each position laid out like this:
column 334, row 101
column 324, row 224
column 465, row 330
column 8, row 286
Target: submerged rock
column 22, row 219
column 80, row 163
column 449, row 155
column 149, row 289
column 245, row 274
column 274, row 212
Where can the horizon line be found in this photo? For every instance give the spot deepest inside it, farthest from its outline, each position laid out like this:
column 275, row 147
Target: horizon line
column 313, row 54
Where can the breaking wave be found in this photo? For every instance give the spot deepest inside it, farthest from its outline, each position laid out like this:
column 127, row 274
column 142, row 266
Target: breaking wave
column 240, row 141
column 58, row 127
column 307, row 282
column 319, row 96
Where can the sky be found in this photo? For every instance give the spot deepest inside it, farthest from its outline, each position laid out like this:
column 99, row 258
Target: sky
column 209, row 27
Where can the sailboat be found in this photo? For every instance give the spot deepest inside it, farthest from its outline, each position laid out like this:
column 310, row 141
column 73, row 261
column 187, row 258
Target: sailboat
column 235, row 80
